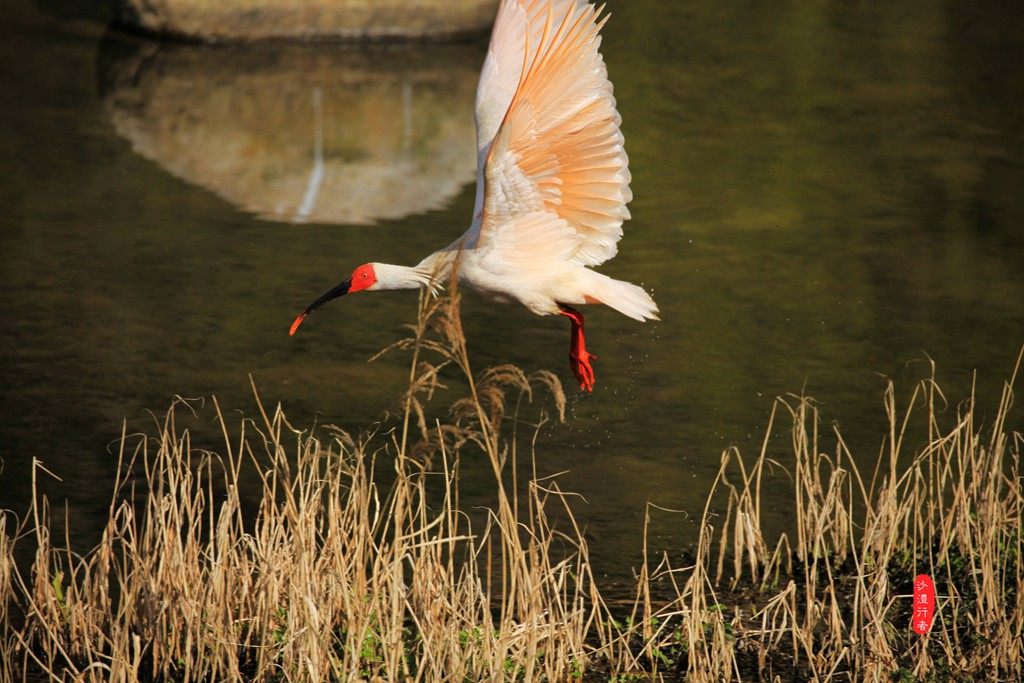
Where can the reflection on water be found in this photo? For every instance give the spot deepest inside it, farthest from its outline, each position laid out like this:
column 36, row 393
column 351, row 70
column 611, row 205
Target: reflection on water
column 325, row 134
column 825, row 194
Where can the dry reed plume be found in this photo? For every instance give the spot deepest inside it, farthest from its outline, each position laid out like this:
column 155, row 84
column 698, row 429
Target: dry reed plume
column 338, row 576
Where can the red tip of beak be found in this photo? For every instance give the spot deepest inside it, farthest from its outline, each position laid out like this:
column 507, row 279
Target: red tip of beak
column 298, row 321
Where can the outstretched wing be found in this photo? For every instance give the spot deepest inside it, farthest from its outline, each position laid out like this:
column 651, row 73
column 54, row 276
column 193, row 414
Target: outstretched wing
column 553, row 178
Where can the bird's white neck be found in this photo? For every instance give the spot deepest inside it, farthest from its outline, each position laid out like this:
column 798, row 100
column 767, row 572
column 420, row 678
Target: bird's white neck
column 390, row 276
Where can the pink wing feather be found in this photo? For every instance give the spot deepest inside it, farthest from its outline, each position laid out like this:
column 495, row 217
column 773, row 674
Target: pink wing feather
column 554, row 180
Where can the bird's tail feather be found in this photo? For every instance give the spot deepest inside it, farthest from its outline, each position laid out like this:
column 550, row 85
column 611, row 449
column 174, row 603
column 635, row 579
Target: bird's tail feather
column 625, row 297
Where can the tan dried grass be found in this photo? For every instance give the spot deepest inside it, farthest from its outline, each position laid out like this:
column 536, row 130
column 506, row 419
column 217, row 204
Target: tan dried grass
column 338, row 576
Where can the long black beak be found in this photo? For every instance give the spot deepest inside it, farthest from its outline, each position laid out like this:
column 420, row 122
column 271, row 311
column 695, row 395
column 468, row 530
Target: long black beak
column 333, row 294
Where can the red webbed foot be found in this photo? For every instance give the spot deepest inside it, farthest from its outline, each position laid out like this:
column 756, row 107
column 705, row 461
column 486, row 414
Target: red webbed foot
column 579, row 357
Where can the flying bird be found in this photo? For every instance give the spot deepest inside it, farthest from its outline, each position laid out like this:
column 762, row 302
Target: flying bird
column 552, row 179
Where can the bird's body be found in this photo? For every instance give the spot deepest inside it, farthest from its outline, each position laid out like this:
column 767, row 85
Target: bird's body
column 552, row 179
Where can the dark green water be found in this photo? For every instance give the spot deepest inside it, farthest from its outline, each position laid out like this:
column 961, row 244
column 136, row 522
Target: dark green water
column 826, row 194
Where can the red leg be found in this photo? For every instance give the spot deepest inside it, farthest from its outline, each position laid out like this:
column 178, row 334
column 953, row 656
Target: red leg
column 579, row 359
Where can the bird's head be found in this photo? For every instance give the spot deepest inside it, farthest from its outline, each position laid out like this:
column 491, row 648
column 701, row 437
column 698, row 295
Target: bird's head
column 363, row 278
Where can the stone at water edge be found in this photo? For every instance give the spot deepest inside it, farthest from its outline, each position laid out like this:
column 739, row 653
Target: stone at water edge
column 243, row 20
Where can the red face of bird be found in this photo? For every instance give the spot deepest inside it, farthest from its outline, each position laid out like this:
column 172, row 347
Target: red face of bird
column 362, row 278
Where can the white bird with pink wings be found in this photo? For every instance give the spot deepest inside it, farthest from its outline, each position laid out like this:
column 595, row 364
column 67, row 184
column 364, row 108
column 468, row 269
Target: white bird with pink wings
column 552, row 180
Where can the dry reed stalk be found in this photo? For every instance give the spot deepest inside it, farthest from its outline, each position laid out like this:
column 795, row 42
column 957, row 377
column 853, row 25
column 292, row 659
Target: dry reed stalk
column 334, row 577
column 6, row 594
column 953, row 508
column 337, row 576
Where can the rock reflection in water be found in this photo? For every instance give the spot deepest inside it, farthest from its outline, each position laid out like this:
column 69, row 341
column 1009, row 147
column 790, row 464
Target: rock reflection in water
column 320, row 133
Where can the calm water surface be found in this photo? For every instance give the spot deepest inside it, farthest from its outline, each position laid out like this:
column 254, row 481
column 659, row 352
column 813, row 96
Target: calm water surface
column 826, row 195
